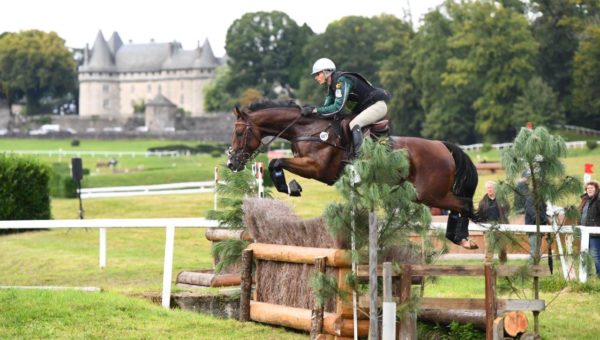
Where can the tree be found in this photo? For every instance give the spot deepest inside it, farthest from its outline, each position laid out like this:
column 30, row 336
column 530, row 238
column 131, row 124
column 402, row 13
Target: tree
column 448, row 112
column 265, row 51
column 36, row 63
column 378, row 213
column 216, row 96
column 587, row 78
column 493, row 51
column 539, row 152
column 557, row 26
column 538, row 104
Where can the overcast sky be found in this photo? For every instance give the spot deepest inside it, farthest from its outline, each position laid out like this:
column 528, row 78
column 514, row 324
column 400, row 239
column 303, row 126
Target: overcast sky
column 186, row 21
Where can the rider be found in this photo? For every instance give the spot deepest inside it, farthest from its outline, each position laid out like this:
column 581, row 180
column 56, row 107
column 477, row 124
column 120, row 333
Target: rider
column 348, row 94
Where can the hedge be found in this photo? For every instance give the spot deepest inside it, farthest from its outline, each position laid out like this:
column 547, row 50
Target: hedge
column 23, row 189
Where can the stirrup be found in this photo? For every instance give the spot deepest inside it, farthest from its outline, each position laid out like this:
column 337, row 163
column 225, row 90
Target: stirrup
column 468, row 244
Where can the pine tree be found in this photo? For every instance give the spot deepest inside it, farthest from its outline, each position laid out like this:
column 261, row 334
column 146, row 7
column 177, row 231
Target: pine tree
column 539, row 153
column 235, row 187
column 375, row 188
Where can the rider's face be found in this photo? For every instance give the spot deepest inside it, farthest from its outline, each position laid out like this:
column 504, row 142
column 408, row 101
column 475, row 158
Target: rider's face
column 320, row 78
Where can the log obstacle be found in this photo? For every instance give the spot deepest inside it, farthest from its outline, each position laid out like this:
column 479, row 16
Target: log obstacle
column 208, row 277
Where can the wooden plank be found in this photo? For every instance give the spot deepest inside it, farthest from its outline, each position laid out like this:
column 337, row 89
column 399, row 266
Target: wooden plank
column 535, row 271
column 296, row 254
column 521, row 305
column 452, row 303
column 454, row 270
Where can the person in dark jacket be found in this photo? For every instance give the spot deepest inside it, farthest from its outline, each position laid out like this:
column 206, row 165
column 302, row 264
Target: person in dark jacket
column 348, row 93
column 590, row 216
column 530, row 219
column 492, row 210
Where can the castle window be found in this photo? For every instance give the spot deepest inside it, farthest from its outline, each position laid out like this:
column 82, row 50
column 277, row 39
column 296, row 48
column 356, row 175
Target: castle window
column 149, row 88
column 181, row 100
column 132, row 89
column 105, row 88
column 105, row 103
column 159, row 88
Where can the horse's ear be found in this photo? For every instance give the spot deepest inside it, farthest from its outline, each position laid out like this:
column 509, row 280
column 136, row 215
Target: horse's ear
column 237, row 112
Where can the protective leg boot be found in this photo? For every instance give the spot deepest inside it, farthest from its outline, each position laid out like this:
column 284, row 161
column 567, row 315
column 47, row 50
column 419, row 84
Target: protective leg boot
column 357, row 140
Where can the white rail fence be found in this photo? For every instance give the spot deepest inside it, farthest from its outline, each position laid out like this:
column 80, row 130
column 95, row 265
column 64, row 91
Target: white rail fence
column 102, row 224
column 100, row 153
column 143, row 190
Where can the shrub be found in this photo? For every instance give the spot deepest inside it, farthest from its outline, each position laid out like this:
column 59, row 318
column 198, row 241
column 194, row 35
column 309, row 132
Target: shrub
column 591, row 144
column 23, row 189
column 75, row 142
column 216, row 153
column 486, row 147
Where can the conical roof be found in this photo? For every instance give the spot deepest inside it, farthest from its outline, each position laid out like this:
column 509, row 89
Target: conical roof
column 101, row 60
column 115, row 42
column 207, row 57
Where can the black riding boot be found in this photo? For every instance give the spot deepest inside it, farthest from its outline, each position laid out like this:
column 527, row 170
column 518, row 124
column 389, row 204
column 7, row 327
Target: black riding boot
column 357, row 140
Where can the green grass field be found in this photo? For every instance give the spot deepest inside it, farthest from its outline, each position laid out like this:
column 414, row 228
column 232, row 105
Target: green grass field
column 135, row 256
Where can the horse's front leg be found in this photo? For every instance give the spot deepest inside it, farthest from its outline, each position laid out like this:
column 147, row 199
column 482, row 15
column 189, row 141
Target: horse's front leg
column 302, row 166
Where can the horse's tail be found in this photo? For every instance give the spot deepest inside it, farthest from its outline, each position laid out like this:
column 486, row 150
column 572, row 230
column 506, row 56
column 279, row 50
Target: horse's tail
column 465, row 179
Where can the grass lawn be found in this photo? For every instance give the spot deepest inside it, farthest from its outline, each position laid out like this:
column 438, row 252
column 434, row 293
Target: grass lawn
column 135, row 258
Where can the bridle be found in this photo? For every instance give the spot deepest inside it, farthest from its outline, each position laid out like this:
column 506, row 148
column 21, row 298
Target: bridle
column 246, row 155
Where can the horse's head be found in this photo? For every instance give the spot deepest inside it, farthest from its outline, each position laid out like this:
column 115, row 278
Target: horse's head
column 246, row 139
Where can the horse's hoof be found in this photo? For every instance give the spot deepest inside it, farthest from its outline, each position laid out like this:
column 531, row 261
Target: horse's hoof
column 468, row 244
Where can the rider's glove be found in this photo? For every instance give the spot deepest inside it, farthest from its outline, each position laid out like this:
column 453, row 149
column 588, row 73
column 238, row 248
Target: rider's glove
column 307, row 110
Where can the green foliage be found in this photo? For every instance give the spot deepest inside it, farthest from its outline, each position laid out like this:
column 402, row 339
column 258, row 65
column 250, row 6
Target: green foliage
column 265, row 50
column 232, row 190
column 591, row 144
column 324, row 287
column 228, row 252
column 492, row 58
column 538, row 104
column 453, row 331
column 75, row 143
column 216, row 95
column 139, row 106
column 23, row 189
column 587, row 78
column 382, row 192
column 36, row 64
column 211, row 149
column 540, row 153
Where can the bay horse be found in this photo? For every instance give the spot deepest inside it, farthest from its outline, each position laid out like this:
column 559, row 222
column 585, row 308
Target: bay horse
column 443, row 174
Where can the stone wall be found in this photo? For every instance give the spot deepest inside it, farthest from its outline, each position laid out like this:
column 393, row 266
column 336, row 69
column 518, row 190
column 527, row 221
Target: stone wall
column 216, row 127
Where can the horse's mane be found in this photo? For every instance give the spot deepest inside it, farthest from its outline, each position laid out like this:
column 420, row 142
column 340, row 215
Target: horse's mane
column 267, row 104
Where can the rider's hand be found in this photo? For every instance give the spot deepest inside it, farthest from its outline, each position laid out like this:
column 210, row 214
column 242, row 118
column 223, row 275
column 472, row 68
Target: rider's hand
column 307, row 111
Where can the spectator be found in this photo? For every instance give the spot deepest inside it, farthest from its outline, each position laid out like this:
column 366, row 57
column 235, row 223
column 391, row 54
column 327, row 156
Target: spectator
column 590, row 216
column 493, row 210
column 522, row 190
column 530, row 219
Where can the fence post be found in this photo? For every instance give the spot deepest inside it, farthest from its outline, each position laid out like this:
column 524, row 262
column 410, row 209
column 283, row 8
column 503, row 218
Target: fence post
column 216, row 186
column 490, row 300
column 246, row 285
column 388, row 331
column 102, row 247
column 408, row 324
column 168, row 266
column 583, row 249
column 316, row 319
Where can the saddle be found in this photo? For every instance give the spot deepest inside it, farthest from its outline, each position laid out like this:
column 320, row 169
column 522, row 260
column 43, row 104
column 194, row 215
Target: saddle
column 374, row 131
